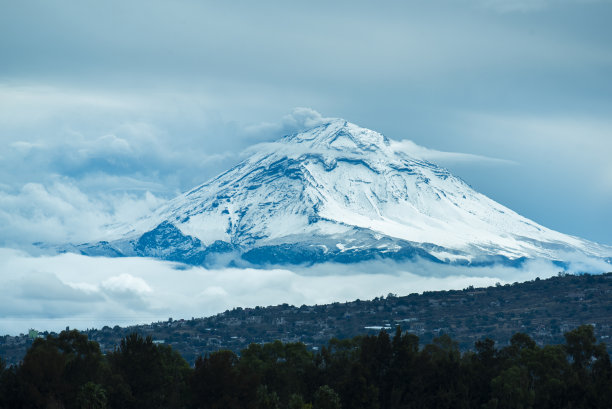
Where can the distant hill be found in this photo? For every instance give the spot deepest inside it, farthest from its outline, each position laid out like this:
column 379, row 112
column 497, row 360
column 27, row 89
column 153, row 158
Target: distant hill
column 544, row 309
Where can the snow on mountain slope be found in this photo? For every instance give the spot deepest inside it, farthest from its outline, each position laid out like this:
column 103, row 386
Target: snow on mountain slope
column 338, row 192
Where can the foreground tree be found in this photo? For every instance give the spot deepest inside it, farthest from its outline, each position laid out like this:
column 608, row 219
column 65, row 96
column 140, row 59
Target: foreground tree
column 216, row 383
column 53, row 372
column 367, row 372
column 147, row 375
column 590, row 381
column 326, row 398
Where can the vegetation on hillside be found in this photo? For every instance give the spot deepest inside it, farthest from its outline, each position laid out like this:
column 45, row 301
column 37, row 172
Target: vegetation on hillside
column 543, row 309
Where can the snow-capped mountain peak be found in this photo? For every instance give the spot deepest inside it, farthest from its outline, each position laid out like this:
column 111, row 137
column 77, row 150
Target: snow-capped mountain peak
column 340, row 192
column 337, row 138
column 340, row 135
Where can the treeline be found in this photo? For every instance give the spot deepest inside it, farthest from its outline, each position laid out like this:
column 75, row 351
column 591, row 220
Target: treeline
column 382, row 371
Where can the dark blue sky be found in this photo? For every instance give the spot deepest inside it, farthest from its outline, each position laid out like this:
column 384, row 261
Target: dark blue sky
column 107, row 108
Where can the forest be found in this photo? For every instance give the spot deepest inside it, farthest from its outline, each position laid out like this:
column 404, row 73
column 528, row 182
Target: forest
column 375, row 371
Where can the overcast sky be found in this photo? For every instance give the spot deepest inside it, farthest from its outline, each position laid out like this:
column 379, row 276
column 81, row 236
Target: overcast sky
column 108, row 108
column 115, row 99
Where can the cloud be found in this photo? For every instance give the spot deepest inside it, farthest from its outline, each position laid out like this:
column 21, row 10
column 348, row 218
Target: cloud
column 581, row 141
column 213, row 292
column 40, row 286
column 36, row 294
column 46, row 101
column 508, row 6
column 127, row 290
column 526, row 6
column 52, row 292
column 299, row 119
column 305, row 118
column 73, row 185
column 61, row 213
column 126, row 283
column 58, row 130
column 432, row 155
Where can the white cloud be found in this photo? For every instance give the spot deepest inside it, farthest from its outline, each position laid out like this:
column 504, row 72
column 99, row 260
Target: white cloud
column 126, row 283
column 299, row 119
column 213, row 291
column 45, row 102
column 77, row 132
column 25, row 147
column 441, row 157
column 61, row 213
column 305, row 118
column 51, row 292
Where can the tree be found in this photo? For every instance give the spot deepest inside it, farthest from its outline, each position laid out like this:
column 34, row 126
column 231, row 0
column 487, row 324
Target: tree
column 580, row 346
column 297, row 402
column 590, row 382
column 510, row 390
column 216, row 382
column 11, row 391
column 376, row 358
column 441, row 380
column 402, row 372
column 147, row 375
column 54, row 369
column 326, row 398
column 267, row 399
column 92, row 396
column 481, row 367
column 547, row 367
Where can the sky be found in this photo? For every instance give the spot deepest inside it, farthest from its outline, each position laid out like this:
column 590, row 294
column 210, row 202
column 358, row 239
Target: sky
column 107, row 109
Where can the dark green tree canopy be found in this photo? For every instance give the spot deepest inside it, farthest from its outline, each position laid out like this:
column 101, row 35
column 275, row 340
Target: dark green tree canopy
column 366, row 372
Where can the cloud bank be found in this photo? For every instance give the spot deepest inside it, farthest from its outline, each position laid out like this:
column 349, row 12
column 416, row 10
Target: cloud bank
column 63, row 213
column 52, row 292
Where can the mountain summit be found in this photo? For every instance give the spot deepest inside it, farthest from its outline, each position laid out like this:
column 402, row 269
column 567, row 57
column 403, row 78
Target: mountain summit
column 338, row 192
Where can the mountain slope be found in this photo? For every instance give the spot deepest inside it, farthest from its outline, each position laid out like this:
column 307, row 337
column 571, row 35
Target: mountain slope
column 338, row 192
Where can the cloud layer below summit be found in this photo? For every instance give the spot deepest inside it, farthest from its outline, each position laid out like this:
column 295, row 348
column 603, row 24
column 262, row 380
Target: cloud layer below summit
column 52, row 292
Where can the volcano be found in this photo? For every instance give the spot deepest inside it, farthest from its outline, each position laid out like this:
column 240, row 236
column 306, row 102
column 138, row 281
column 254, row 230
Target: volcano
column 339, row 193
